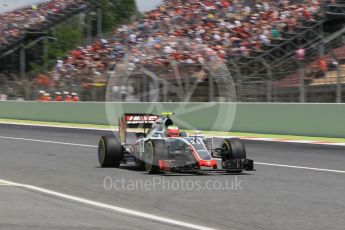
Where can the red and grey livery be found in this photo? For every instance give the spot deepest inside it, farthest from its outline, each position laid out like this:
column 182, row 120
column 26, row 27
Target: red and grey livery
column 155, row 152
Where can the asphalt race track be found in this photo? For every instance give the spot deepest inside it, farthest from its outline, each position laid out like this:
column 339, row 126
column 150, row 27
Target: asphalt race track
column 64, row 161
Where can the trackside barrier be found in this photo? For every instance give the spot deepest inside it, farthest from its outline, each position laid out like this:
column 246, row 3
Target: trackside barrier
column 324, row 120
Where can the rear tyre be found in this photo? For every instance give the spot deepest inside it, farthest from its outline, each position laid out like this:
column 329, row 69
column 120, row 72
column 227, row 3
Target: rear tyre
column 110, row 152
column 234, row 149
column 155, row 150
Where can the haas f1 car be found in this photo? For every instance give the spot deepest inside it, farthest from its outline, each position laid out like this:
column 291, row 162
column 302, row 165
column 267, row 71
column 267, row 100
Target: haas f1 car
column 164, row 148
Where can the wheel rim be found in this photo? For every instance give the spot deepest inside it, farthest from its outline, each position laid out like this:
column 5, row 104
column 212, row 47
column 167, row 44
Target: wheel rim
column 149, row 157
column 101, row 151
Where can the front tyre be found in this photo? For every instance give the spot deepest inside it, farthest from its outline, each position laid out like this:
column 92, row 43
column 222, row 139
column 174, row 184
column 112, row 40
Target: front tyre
column 110, row 152
column 155, row 150
column 233, row 149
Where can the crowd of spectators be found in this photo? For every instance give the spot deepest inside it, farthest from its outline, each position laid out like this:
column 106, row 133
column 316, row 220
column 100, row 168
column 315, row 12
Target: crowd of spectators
column 179, row 31
column 13, row 25
column 192, row 31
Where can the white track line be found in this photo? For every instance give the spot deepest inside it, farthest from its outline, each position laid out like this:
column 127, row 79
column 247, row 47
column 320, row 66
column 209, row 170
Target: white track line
column 95, row 146
column 300, row 167
column 50, row 142
column 109, row 207
column 286, row 141
column 59, row 126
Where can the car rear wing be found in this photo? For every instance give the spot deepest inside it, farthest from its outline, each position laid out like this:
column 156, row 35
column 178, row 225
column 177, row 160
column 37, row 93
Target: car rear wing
column 135, row 121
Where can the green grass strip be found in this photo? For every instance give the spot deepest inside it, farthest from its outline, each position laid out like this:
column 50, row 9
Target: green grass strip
column 210, row 133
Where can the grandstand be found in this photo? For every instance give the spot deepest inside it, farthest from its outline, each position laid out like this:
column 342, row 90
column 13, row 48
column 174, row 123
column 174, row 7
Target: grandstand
column 23, row 39
column 284, row 78
column 215, row 51
column 18, row 25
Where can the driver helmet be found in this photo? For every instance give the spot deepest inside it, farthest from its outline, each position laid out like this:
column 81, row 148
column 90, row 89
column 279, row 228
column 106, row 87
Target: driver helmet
column 173, row 131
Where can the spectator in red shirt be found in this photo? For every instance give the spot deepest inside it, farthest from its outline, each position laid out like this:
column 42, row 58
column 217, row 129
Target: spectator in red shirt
column 75, row 97
column 41, row 96
column 323, row 65
column 47, row 97
column 58, row 97
column 68, row 97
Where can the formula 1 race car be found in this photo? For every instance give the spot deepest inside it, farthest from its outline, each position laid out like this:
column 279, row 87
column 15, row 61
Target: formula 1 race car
column 165, row 148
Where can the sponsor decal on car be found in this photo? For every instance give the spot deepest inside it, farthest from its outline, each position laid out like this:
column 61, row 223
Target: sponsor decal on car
column 141, row 119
